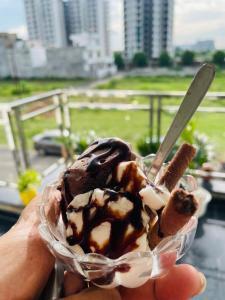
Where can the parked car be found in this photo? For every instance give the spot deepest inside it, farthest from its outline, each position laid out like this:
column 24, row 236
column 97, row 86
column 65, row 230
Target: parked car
column 48, row 143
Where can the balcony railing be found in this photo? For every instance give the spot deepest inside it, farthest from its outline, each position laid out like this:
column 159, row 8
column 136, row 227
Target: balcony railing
column 14, row 114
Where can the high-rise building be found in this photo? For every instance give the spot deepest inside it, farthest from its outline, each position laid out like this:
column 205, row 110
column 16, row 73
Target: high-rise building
column 89, row 18
column 45, row 22
column 148, row 27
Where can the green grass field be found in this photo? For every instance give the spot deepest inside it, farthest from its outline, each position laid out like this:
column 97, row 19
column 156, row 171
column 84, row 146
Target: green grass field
column 127, row 125
column 11, row 90
column 161, row 83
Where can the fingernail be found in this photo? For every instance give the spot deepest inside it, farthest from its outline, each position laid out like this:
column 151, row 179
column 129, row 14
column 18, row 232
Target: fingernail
column 203, row 282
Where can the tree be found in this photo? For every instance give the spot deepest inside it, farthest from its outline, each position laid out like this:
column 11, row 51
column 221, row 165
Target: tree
column 219, row 58
column 165, row 60
column 140, row 60
column 119, row 61
column 187, row 58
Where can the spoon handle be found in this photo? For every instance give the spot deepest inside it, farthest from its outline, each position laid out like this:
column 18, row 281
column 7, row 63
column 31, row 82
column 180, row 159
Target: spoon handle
column 196, row 92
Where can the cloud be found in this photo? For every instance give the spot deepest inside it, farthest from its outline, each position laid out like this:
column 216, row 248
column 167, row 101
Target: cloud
column 199, row 20
column 21, row 31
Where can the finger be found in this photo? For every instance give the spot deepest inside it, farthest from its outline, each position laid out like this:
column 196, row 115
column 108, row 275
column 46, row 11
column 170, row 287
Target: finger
column 181, row 283
column 73, row 283
column 95, row 294
column 52, row 209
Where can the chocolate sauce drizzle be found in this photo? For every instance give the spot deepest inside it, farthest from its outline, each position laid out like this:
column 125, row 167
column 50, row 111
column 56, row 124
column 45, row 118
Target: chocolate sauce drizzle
column 100, row 150
column 118, row 244
column 102, row 157
column 97, row 164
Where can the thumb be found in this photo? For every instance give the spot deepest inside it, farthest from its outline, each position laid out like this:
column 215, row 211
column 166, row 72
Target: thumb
column 181, row 283
column 95, row 294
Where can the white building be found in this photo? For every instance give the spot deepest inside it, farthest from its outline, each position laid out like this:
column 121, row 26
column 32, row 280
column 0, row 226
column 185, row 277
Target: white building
column 45, row 22
column 90, row 17
column 26, row 59
column 148, row 27
column 88, row 23
column 96, row 62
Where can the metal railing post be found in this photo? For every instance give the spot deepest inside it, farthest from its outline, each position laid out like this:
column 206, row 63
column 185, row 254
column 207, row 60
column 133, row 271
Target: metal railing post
column 63, row 120
column 151, row 118
column 59, row 113
column 11, row 139
column 66, row 112
column 159, row 110
column 67, row 126
column 22, row 137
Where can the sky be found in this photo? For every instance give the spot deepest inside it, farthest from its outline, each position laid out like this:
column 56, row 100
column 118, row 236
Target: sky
column 194, row 20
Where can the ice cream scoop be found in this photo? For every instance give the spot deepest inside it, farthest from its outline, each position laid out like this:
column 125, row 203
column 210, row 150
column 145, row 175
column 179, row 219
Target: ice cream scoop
column 94, row 168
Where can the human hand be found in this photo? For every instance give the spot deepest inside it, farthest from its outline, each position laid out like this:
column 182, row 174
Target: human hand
column 26, row 263
column 181, row 283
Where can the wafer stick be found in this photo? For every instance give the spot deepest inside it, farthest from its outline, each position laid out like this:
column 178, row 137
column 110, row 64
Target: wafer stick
column 177, row 166
column 178, row 211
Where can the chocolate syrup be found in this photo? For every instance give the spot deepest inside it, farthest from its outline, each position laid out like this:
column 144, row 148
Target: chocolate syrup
column 118, row 244
column 107, row 278
column 97, row 164
column 160, row 233
column 102, row 149
column 132, row 179
column 184, row 203
column 94, row 167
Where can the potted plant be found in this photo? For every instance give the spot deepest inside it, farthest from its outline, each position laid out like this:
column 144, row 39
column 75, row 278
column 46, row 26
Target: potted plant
column 82, row 141
column 28, row 183
column 205, row 150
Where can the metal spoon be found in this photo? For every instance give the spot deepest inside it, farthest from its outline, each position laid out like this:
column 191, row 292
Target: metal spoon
column 196, row 92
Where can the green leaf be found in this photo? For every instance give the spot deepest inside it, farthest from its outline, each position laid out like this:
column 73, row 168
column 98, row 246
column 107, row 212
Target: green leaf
column 28, row 178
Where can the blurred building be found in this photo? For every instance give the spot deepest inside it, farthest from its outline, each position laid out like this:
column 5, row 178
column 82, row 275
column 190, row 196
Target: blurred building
column 200, row 46
column 7, row 39
column 8, row 66
column 97, row 63
column 46, row 22
column 89, row 17
column 148, row 27
column 66, row 8
column 75, row 35
column 88, row 27
column 30, row 59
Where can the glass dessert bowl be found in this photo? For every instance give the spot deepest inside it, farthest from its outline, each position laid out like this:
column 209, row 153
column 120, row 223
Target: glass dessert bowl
column 106, row 220
column 130, row 270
